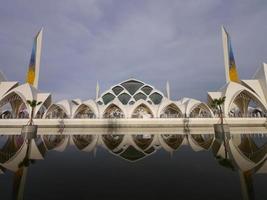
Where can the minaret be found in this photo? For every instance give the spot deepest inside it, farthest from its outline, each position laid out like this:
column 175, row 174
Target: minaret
column 229, row 60
column 34, row 66
column 97, row 90
column 168, row 90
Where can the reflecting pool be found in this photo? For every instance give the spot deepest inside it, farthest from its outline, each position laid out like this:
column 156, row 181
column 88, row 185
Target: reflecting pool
column 133, row 164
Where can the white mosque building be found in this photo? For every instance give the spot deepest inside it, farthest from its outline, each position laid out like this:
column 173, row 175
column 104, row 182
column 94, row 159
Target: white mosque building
column 133, row 98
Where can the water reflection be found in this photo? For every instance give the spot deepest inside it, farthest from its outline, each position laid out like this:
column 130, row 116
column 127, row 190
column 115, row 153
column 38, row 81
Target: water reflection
column 244, row 153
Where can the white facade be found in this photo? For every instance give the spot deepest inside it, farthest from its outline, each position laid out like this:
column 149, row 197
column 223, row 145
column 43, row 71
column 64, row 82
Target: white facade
column 131, row 99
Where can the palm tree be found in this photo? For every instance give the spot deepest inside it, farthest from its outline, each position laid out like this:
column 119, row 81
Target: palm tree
column 217, row 105
column 32, row 104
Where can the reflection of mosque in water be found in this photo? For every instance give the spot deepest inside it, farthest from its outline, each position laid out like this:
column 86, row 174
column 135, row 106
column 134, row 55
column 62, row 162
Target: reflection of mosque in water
column 245, row 153
column 133, row 147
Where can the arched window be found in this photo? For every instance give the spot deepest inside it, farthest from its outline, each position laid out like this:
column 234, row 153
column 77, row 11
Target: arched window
column 108, row 98
column 246, row 104
column 171, row 111
column 124, row 98
column 117, row 90
column 200, row 111
column 113, row 111
column 139, row 96
column 84, row 112
column 142, row 111
column 56, row 112
column 12, row 106
column 156, row 98
column 132, row 86
column 147, row 89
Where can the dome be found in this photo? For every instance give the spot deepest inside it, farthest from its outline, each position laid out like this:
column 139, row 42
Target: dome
column 129, row 92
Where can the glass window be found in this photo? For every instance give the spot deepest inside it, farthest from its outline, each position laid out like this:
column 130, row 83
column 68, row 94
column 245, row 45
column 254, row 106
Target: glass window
column 117, row 90
column 156, row 98
column 146, row 89
column 140, row 96
column 108, row 98
column 132, row 86
column 124, row 98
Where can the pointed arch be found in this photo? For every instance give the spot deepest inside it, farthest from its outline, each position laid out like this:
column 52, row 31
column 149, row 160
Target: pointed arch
column 56, row 111
column 241, row 100
column 16, row 105
column 84, row 111
column 170, row 111
column 142, row 110
column 113, row 111
column 200, row 110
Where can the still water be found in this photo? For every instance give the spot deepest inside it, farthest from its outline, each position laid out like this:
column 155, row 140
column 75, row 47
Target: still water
column 133, row 165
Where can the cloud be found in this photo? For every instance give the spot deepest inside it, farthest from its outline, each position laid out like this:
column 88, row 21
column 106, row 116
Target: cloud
column 113, row 40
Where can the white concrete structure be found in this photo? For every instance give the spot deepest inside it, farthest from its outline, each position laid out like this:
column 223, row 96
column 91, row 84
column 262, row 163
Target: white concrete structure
column 243, row 98
column 129, row 99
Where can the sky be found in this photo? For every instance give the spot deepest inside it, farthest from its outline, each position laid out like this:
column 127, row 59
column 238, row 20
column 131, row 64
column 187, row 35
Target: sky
column 109, row 41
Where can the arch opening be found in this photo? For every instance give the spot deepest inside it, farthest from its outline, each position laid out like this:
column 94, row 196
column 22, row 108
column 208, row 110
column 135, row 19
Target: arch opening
column 113, row 112
column 246, row 105
column 142, row 111
column 200, row 111
column 56, row 112
column 12, row 106
column 84, row 112
column 171, row 111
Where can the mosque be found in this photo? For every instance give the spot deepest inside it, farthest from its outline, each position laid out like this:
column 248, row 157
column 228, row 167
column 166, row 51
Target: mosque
column 134, row 98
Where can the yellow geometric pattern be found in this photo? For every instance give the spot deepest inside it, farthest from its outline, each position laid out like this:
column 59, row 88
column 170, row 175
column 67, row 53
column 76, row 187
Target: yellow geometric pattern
column 30, row 76
column 233, row 75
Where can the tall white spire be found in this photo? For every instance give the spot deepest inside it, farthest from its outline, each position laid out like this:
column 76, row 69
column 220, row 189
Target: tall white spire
column 168, row 90
column 225, row 53
column 97, row 90
column 34, row 66
column 229, row 60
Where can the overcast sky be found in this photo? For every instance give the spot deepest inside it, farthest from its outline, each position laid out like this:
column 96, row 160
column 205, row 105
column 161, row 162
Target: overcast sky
column 113, row 40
